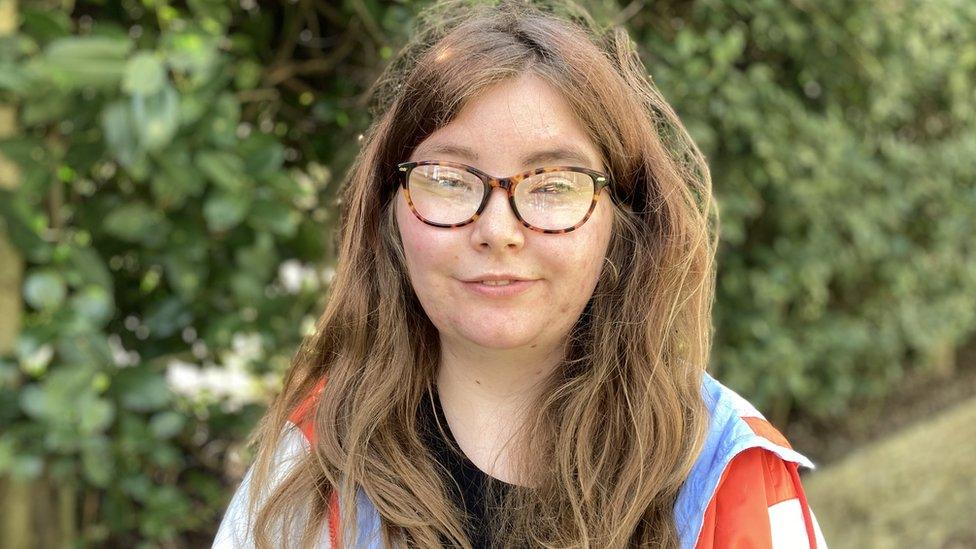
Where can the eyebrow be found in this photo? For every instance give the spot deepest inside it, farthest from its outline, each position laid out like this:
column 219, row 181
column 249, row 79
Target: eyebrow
column 536, row 157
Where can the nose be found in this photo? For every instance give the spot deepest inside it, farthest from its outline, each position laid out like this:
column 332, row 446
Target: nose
column 498, row 227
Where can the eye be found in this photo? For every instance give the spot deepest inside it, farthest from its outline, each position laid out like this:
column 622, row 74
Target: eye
column 552, row 186
column 453, row 183
column 449, row 179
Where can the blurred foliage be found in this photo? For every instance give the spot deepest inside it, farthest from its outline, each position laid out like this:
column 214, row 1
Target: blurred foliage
column 841, row 139
column 172, row 210
column 175, row 213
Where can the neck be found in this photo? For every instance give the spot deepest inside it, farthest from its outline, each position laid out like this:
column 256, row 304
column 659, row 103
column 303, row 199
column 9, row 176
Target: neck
column 495, row 377
column 483, row 393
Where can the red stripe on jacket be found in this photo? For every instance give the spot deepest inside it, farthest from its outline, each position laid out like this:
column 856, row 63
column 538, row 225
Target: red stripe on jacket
column 304, row 414
column 304, row 418
column 755, row 480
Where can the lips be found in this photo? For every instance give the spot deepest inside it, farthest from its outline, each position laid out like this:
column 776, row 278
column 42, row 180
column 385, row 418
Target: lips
column 496, row 282
column 490, row 288
column 499, row 277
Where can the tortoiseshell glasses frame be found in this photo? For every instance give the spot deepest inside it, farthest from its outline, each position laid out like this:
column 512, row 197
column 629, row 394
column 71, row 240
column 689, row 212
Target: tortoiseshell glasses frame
column 600, row 180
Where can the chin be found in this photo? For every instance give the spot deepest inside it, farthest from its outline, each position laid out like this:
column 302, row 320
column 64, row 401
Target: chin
column 499, row 339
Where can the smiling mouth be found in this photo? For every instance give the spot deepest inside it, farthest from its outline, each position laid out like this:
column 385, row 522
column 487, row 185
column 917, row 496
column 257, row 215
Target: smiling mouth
column 499, row 288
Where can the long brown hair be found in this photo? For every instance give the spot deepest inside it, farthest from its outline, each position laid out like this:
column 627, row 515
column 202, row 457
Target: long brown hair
column 621, row 420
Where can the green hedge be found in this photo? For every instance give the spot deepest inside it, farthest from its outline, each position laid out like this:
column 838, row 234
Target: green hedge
column 841, row 138
column 174, row 211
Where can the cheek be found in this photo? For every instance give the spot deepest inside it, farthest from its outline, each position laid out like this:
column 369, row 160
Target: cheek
column 574, row 267
column 582, row 258
column 429, row 252
column 581, row 266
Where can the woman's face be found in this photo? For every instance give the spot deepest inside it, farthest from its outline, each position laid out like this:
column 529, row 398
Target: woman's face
column 502, row 126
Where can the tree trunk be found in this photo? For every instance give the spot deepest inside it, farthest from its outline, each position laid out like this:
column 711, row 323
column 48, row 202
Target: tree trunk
column 15, row 525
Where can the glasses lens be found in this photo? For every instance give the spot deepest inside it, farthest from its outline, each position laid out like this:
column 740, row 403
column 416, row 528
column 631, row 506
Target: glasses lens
column 446, row 195
column 554, row 200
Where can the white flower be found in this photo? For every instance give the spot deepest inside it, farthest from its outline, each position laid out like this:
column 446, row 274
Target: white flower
column 35, row 363
column 290, row 273
column 308, row 325
column 229, row 383
column 240, row 388
column 271, row 382
column 232, row 387
column 199, row 349
column 245, row 348
column 296, row 276
column 225, row 382
column 248, row 346
column 328, row 273
column 233, row 361
column 120, row 355
column 183, row 378
column 213, row 379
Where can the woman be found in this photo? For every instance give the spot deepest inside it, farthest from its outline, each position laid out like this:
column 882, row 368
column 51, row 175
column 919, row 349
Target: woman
column 514, row 350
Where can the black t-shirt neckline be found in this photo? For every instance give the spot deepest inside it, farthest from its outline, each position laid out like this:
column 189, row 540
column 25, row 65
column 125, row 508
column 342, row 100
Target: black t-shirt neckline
column 471, row 480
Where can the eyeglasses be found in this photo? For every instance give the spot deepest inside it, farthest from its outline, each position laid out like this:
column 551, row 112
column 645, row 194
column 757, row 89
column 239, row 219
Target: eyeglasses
column 554, row 199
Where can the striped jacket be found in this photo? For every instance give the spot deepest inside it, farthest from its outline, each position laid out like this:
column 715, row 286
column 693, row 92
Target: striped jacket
column 743, row 491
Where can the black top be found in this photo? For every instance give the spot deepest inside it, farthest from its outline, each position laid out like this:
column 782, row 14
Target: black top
column 472, row 481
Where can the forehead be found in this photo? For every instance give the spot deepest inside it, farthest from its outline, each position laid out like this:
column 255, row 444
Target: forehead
column 513, row 125
column 568, row 153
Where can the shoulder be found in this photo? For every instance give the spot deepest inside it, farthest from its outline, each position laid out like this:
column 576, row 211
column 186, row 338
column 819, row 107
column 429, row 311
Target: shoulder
column 736, row 425
column 295, row 443
column 303, row 416
column 760, row 503
column 236, row 526
column 744, row 488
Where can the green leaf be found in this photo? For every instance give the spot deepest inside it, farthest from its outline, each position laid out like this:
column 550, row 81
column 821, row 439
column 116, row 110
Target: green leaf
column 166, row 456
column 177, row 179
column 95, row 415
column 78, row 61
column 45, row 289
column 33, row 400
column 89, row 47
column 246, row 287
column 64, row 402
column 263, row 155
column 134, row 222
column 192, row 51
column 167, row 424
column 97, row 461
column 226, row 115
column 45, row 25
column 156, row 117
column 88, row 350
column 120, row 133
column 15, row 78
column 247, row 75
column 141, row 390
column 46, row 106
column 136, row 487
column 32, row 354
column 17, row 224
column 95, row 305
column 9, row 376
column 166, row 317
column 224, row 210
column 185, row 275
column 89, row 265
column 271, row 215
column 26, row 467
column 260, row 260
column 144, row 74
column 165, row 510
column 226, row 170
